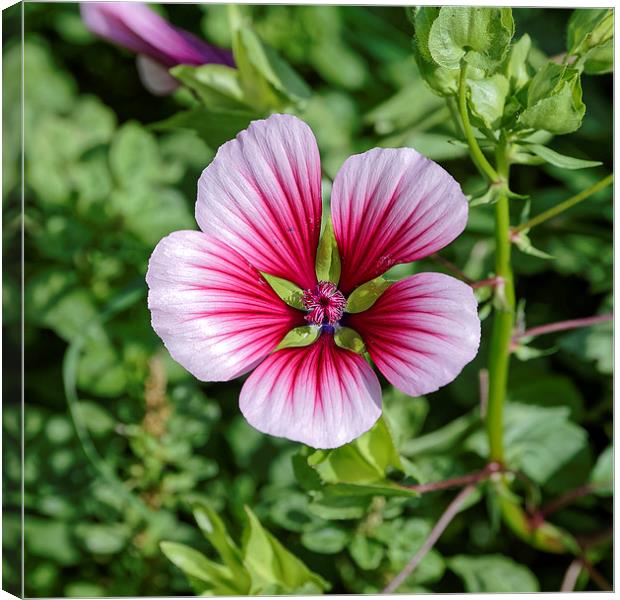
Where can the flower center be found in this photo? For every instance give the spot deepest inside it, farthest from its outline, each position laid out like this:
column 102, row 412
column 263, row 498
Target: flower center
column 325, row 304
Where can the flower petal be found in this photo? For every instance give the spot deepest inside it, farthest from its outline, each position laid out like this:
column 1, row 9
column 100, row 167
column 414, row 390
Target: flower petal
column 320, row 395
column 216, row 315
column 155, row 77
column 421, row 332
column 262, row 195
column 136, row 27
column 392, row 206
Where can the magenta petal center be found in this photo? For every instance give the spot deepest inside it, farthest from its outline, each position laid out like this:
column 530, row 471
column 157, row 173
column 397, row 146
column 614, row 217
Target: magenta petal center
column 325, row 304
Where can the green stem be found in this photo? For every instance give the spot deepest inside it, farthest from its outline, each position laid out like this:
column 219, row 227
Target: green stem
column 562, row 206
column 478, row 157
column 504, row 317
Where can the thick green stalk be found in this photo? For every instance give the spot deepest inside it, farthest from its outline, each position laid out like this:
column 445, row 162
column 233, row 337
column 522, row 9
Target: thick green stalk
column 503, row 320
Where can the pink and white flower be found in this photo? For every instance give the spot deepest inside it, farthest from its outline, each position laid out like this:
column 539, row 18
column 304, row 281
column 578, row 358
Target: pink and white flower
column 259, row 210
column 158, row 44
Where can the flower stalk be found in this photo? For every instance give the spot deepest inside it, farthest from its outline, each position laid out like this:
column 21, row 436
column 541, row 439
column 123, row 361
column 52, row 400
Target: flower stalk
column 501, row 336
column 505, row 306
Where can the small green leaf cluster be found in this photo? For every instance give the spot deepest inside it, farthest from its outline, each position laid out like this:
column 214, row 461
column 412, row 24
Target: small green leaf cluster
column 262, row 565
column 226, row 99
column 515, row 96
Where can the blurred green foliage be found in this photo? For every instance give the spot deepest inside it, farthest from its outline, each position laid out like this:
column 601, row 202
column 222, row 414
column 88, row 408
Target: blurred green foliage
column 116, row 464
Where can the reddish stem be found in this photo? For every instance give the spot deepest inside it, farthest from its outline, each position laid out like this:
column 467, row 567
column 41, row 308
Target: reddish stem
column 562, row 326
column 491, row 281
column 538, row 517
column 451, row 267
column 446, row 518
column 596, row 576
column 470, row 479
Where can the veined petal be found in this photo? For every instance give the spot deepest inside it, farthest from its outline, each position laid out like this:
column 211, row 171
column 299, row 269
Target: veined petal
column 391, row 206
column 320, row 395
column 133, row 25
column 214, row 312
column 421, row 332
column 262, row 196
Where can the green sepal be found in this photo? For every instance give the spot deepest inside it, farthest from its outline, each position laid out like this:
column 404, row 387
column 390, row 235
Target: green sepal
column 349, row 339
column 524, row 352
column 588, row 29
column 299, row 337
column 363, row 297
column 488, row 196
column 286, row 290
column 516, row 65
column 554, row 101
column 327, row 255
column 523, row 242
column 487, row 98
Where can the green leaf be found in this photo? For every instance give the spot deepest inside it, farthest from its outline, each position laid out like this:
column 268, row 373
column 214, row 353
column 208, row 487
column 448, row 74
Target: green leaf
column 365, row 460
column 270, row 563
column 349, row 339
column 266, row 79
column 384, row 488
column 589, row 28
column 516, row 64
column 328, row 504
column 299, row 337
column 554, row 101
column 328, row 539
column 291, row 512
column 538, row 440
column 215, row 531
column 366, row 552
column 327, row 256
column 363, row 297
column 441, row 80
column 548, row 391
column 403, row 538
column 444, row 439
column 487, row 98
column 214, row 126
column 134, row 155
column 307, row 477
column 102, row 539
column 560, row 160
column 288, row 291
column 592, row 344
column 602, row 476
column 217, row 86
column 480, row 36
column 101, row 370
column 493, row 573
column 196, row 565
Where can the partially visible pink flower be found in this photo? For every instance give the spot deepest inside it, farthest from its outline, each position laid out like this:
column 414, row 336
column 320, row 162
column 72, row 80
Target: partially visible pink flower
column 259, row 209
column 159, row 44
